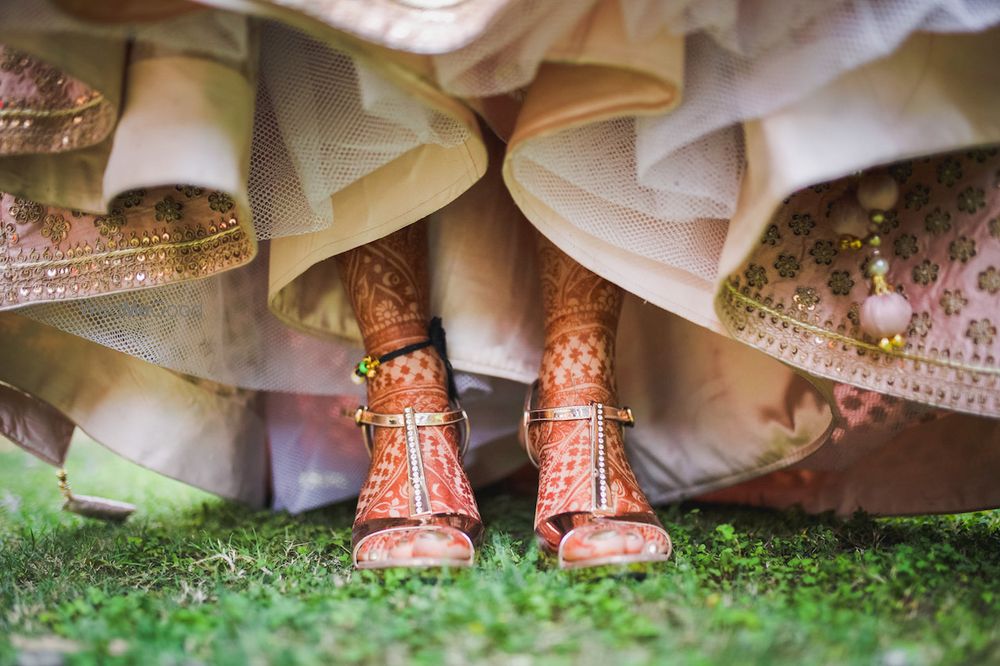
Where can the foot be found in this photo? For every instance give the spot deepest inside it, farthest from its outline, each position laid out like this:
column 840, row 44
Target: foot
column 391, row 527
column 567, row 520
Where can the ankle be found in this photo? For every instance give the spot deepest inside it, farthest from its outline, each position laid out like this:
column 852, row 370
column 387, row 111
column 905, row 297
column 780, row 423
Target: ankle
column 379, row 343
column 422, row 398
column 417, row 380
column 579, row 394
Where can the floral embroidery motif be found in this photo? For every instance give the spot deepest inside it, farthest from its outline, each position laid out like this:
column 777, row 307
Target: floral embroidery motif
column 937, row 221
column 802, row 224
column 980, row 155
column 981, row 331
column 949, row 172
column 962, row 249
column 190, row 191
column 131, row 198
column 891, row 222
column 771, row 236
column 220, row 202
column 823, row 252
column 48, row 80
column 13, row 62
column 901, row 171
column 168, row 210
column 840, row 283
column 925, row 272
column 72, row 254
column 989, row 280
column 787, row 265
column 905, row 246
column 756, row 276
column 920, row 324
column 55, row 228
column 952, row 302
column 971, row 199
column 918, row 197
column 8, row 236
column 110, row 224
column 854, row 314
column 25, row 211
column 878, row 414
column 806, row 298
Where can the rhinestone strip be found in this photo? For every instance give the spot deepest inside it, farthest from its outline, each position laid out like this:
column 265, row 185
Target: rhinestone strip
column 415, row 465
column 598, row 458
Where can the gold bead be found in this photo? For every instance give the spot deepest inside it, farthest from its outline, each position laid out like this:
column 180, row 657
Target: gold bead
column 874, row 241
column 877, row 217
column 898, row 341
column 885, row 344
column 856, row 244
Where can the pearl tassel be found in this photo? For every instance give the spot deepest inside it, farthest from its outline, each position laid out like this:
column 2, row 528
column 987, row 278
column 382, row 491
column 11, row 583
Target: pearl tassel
column 885, row 314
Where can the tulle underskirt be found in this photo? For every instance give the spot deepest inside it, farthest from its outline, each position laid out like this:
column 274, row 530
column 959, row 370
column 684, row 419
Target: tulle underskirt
column 177, row 188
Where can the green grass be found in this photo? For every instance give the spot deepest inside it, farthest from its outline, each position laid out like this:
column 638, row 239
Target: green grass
column 195, row 580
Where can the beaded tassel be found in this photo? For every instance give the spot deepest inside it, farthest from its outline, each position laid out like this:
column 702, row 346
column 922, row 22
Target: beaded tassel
column 885, row 314
column 92, row 507
column 365, row 369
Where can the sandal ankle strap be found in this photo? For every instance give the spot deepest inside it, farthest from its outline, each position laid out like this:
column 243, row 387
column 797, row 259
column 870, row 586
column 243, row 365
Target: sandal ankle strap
column 596, row 412
column 411, row 420
column 367, row 420
column 580, row 412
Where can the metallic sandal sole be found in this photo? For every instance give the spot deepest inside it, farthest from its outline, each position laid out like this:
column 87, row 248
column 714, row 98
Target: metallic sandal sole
column 647, row 556
column 416, row 561
column 415, row 564
column 615, row 561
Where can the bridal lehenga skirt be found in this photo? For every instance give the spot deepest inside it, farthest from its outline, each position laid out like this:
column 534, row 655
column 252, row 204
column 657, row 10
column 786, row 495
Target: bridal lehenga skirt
column 178, row 176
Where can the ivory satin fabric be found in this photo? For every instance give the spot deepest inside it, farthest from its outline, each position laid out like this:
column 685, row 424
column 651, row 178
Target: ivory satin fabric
column 311, row 128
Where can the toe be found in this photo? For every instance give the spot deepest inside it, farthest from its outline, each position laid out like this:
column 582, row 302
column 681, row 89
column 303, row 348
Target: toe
column 592, row 542
column 441, row 543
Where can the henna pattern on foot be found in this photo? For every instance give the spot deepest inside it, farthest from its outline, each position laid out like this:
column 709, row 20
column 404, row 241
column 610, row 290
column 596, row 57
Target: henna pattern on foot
column 387, row 281
column 581, row 321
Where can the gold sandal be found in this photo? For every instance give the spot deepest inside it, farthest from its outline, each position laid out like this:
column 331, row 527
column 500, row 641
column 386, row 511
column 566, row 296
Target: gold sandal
column 422, row 538
column 607, row 522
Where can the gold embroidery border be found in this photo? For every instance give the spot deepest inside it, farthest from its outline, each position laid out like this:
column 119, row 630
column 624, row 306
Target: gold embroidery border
column 57, row 113
column 223, row 253
column 854, row 342
column 129, row 251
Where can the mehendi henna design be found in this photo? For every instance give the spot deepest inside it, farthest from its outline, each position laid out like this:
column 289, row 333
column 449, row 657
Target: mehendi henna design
column 388, row 284
column 578, row 366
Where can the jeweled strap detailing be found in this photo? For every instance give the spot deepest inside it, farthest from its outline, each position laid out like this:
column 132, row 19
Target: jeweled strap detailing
column 415, row 465
column 411, row 421
column 597, row 413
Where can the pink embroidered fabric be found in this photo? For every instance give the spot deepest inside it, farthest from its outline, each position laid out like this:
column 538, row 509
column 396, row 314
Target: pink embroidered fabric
column 149, row 238
column 73, row 114
column 798, row 295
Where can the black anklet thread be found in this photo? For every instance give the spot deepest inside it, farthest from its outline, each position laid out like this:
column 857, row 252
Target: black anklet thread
column 435, row 338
